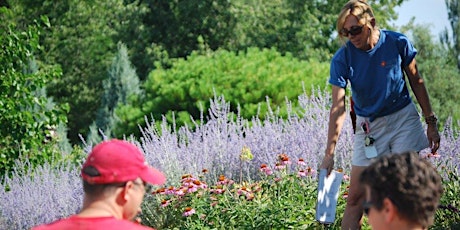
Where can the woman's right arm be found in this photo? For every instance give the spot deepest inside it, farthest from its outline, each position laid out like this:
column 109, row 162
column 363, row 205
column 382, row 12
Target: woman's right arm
column 336, row 118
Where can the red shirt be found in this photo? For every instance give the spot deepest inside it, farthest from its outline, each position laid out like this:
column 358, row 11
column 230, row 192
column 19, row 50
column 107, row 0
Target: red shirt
column 87, row 223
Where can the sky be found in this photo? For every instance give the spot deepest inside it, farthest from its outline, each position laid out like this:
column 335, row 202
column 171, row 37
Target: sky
column 432, row 12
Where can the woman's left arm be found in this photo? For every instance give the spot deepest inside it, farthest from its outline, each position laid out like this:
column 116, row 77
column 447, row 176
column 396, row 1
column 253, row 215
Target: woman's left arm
column 418, row 87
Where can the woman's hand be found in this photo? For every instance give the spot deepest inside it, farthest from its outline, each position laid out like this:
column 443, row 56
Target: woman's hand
column 433, row 137
column 328, row 163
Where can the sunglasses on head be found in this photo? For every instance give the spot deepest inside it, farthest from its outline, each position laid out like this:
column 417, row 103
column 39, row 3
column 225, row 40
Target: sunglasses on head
column 354, row 30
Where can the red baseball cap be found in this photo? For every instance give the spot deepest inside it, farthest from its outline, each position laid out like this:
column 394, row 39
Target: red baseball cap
column 119, row 161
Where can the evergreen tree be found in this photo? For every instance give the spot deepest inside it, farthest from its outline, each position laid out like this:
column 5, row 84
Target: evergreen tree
column 122, row 82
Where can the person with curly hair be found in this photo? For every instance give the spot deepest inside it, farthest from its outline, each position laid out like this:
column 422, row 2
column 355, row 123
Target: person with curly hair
column 402, row 191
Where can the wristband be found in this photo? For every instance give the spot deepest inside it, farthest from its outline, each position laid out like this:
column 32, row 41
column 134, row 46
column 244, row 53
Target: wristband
column 431, row 119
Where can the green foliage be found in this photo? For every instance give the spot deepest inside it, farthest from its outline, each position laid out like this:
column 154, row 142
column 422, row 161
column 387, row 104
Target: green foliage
column 121, row 83
column 80, row 40
column 282, row 200
column 452, row 39
column 28, row 118
column 245, row 79
column 448, row 217
column 173, row 27
column 441, row 76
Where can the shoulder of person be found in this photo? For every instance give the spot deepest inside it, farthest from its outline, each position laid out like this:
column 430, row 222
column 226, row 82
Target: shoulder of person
column 394, row 35
column 97, row 223
column 340, row 53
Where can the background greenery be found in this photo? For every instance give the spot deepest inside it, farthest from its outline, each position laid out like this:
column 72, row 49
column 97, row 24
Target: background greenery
column 103, row 66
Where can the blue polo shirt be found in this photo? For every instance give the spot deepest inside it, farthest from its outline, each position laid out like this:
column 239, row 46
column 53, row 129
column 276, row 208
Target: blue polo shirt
column 376, row 78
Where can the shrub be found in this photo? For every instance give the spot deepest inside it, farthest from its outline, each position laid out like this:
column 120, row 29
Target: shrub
column 246, row 79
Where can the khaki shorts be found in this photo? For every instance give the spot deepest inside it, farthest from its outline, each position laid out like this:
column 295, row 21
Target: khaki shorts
column 395, row 133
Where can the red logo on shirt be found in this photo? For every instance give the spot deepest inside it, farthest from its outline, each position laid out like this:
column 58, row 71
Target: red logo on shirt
column 383, row 63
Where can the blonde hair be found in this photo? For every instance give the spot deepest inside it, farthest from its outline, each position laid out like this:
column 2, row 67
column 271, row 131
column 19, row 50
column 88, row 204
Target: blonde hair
column 358, row 8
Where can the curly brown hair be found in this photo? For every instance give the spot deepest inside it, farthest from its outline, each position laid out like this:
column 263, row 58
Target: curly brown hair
column 409, row 181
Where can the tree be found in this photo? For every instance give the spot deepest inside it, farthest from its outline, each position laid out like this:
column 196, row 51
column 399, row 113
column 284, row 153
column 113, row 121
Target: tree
column 174, row 27
column 453, row 42
column 81, row 41
column 28, row 118
column 122, row 82
column 438, row 71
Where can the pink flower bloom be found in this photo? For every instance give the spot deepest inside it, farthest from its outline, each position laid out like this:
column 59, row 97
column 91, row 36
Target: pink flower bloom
column 181, row 191
column 268, row 172
column 301, row 162
column 265, row 169
column 160, row 191
column 218, row 191
column 192, row 189
column 243, row 191
column 286, row 162
column 224, row 181
column 165, row 203
column 189, row 211
column 249, row 196
column 279, row 166
column 311, row 172
column 170, row 191
column 301, row 173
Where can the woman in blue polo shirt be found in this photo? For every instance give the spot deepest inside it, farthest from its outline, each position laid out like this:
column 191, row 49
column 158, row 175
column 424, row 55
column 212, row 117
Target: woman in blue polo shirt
column 372, row 61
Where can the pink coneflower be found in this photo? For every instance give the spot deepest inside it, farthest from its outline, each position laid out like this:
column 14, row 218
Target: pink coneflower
column 242, row 190
column 189, row 211
column 186, row 176
column 171, row 190
column 284, row 159
column 249, row 196
column 181, row 191
column 200, row 184
column 265, row 169
column 311, row 172
column 256, row 188
column 280, row 166
column 165, row 203
column 192, row 188
column 160, row 191
column 268, row 172
column 218, row 190
column 224, row 181
column 301, row 162
column 301, row 173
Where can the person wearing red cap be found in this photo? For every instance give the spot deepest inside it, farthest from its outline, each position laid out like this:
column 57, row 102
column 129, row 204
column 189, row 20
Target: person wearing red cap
column 115, row 177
